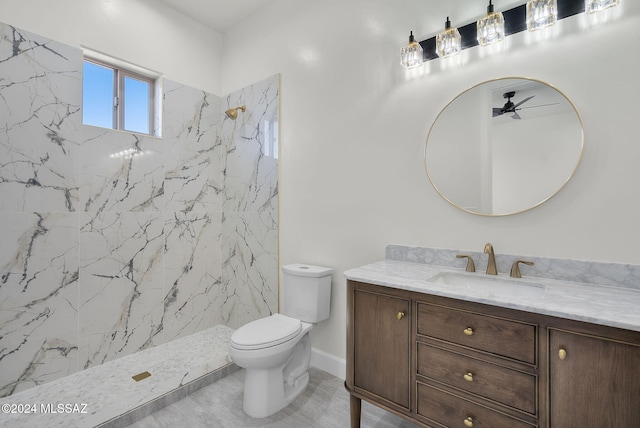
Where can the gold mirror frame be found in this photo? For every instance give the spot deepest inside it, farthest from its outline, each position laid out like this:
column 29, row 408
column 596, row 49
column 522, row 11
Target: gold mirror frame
column 447, row 140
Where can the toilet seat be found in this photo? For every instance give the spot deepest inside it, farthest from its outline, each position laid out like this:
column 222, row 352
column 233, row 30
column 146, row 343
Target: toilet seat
column 266, row 332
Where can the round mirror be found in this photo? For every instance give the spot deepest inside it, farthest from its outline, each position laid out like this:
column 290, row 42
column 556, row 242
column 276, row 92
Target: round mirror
column 504, row 146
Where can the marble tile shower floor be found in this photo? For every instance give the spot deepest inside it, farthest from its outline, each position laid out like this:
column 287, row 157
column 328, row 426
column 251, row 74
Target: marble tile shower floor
column 107, row 396
column 324, row 404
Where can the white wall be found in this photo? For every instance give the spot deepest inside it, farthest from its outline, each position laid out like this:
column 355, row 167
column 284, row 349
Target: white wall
column 354, row 126
column 146, row 33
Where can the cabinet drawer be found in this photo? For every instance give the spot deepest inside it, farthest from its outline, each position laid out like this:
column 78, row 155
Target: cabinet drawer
column 501, row 384
column 452, row 411
column 499, row 336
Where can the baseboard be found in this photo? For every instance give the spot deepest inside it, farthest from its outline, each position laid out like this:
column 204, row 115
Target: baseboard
column 329, row 363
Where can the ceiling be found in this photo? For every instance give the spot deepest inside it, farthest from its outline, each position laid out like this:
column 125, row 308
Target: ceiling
column 220, row 15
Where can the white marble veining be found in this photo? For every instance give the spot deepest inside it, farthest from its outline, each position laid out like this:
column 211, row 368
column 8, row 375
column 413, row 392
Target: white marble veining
column 120, row 284
column 192, row 273
column 38, row 298
column 108, row 390
column 113, row 241
column 599, row 304
column 250, row 208
column 195, row 164
column 40, row 97
column 120, row 171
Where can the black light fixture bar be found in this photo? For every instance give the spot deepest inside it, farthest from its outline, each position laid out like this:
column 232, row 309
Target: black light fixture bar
column 515, row 21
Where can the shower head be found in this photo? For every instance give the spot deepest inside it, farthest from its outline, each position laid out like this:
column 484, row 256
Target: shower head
column 232, row 113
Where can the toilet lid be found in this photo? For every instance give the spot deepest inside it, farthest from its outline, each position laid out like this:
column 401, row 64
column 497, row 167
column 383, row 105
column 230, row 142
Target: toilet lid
column 266, row 332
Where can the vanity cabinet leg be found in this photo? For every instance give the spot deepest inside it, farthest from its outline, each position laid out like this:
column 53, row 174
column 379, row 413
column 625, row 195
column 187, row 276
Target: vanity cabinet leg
column 356, row 407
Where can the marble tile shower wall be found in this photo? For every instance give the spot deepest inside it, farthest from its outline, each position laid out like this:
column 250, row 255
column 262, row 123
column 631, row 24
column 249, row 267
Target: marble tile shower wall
column 113, row 242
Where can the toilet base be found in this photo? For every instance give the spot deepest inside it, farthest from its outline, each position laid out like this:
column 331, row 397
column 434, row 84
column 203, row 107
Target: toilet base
column 255, row 405
column 267, row 391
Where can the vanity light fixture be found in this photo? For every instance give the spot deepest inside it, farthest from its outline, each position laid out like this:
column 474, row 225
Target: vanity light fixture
column 532, row 15
column 491, row 27
column 448, row 43
column 541, row 14
column 411, row 56
column 593, row 6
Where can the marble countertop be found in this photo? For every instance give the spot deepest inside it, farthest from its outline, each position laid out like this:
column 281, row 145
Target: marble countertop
column 605, row 305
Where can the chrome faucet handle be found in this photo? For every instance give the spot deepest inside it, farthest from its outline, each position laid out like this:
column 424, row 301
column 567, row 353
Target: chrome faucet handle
column 471, row 266
column 515, row 268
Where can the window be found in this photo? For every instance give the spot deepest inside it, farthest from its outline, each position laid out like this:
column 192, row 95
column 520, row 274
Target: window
column 117, row 98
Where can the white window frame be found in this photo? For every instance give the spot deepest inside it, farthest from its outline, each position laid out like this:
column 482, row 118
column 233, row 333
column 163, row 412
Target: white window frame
column 121, row 71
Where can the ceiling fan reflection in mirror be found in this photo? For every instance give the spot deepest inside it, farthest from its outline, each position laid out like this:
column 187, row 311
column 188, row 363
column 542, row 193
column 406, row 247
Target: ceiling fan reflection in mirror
column 510, row 107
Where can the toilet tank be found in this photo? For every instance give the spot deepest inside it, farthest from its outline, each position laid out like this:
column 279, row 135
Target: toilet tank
column 307, row 292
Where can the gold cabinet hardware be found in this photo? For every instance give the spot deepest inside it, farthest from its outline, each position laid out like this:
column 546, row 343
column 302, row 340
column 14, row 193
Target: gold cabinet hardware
column 471, row 266
column 468, row 377
column 401, row 315
column 468, row 331
column 562, row 354
column 468, row 422
column 515, row 268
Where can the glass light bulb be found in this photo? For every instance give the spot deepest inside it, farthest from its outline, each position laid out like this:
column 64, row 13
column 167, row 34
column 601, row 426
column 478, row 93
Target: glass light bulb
column 491, row 27
column 541, row 14
column 448, row 43
column 593, row 6
column 411, row 55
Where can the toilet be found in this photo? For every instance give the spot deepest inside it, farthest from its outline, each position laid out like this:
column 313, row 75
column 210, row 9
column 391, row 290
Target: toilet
column 275, row 351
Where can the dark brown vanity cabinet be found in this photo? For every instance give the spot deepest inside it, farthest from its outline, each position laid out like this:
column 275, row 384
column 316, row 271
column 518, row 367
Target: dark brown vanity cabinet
column 442, row 362
column 594, row 378
column 382, row 347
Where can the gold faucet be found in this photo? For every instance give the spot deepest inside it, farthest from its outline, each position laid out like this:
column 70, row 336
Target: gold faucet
column 515, row 268
column 471, row 267
column 491, row 264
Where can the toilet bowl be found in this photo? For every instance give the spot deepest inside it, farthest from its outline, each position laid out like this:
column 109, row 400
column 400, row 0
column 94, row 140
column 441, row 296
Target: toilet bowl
column 275, row 351
column 276, row 368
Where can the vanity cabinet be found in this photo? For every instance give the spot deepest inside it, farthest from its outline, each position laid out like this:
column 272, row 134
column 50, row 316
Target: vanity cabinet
column 442, row 362
column 594, row 378
column 382, row 347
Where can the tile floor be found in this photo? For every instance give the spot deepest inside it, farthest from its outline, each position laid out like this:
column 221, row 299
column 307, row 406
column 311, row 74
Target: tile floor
column 324, row 404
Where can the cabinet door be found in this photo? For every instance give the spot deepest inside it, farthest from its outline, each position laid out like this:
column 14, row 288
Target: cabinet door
column 593, row 382
column 382, row 352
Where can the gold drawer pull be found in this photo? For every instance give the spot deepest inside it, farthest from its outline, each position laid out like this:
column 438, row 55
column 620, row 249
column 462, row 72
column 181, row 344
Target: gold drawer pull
column 468, row 377
column 468, row 331
column 562, row 354
column 468, row 422
column 400, row 315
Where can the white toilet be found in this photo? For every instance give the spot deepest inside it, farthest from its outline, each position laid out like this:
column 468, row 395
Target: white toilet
column 276, row 350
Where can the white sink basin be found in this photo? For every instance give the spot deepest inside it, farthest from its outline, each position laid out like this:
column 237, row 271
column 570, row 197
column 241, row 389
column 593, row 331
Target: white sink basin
column 490, row 286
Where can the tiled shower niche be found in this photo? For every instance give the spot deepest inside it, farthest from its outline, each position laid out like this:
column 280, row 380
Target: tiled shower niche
column 113, row 242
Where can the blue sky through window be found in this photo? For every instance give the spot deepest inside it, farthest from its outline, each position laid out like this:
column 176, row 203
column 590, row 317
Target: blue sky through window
column 98, row 83
column 136, row 105
column 97, row 95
